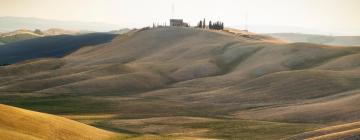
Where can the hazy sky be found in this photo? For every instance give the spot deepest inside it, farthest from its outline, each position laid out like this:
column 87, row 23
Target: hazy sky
column 328, row 16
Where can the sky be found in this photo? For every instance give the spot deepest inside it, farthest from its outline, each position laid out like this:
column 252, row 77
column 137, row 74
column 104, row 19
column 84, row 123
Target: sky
column 339, row 17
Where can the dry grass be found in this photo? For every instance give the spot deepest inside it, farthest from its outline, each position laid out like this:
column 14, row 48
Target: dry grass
column 16, row 123
column 90, row 117
column 192, row 72
column 349, row 134
column 345, row 131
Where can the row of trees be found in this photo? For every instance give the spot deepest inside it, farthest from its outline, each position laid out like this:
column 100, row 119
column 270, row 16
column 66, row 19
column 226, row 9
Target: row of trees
column 202, row 24
column 214, row 26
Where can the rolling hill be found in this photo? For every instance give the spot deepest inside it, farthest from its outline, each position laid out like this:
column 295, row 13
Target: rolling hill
column 19, row 124
column 52, row 46
column 14, row 23
column 58, row 31
column 319, row 39
column 253, row 83
column 18, row 35
column 25, row 34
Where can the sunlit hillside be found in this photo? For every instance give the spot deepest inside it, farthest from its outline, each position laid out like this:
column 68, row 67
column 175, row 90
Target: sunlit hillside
column 226, row 84
column 20, row 124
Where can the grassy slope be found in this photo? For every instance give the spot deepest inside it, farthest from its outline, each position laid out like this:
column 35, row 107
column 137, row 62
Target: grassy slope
column 254, row 130
column 16, row 123
column 344, row 131
column 19, row 124
column 191, row 72
column 182, row 126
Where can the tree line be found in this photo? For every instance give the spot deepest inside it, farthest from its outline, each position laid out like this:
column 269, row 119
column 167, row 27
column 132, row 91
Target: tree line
column 212, row 25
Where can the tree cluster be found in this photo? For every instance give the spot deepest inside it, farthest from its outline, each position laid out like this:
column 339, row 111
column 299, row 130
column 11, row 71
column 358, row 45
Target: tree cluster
column 38, row 31
column 216, row 26
column 201, row 24
column 213, row 26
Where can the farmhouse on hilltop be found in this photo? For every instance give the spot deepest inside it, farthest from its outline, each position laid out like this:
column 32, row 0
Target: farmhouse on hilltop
column 178, row 23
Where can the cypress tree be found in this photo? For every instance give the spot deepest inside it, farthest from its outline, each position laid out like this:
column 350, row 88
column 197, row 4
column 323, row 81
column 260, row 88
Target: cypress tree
column 210, row 25
column 204, row 24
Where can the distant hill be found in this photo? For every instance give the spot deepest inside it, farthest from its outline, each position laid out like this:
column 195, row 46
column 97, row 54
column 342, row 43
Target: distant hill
column 25, row 34
column 58, row 31
column 13, row 23
column 318, row 39
column 18, row 35
column 52, row 46
column 121, row 31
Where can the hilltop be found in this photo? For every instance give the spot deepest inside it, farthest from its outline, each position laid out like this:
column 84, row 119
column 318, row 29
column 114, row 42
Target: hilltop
column 239, row 79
